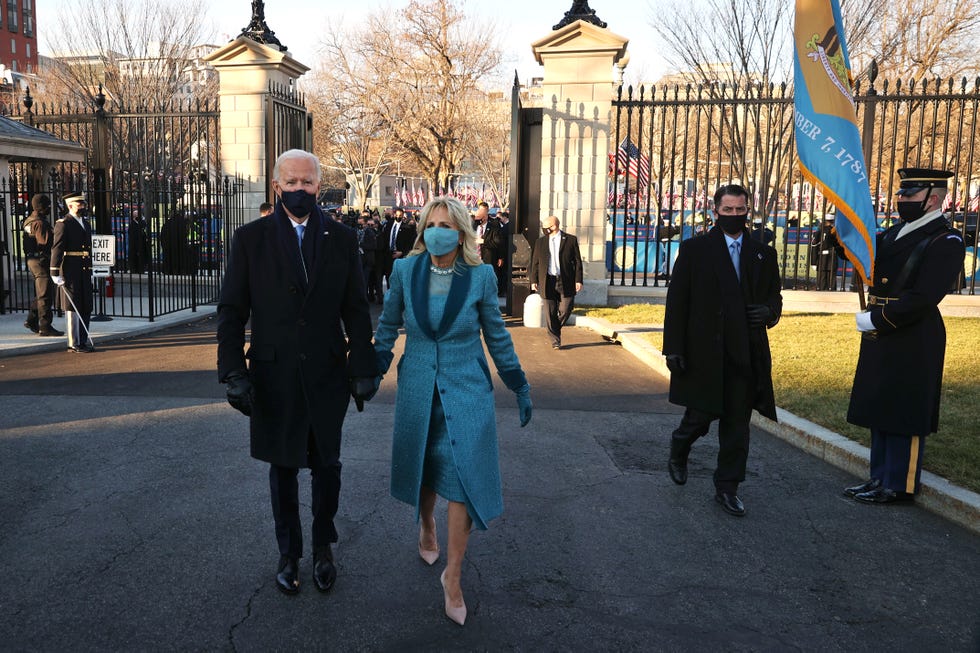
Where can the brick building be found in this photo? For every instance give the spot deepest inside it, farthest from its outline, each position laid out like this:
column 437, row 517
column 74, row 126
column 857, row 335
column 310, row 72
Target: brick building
column 18, row 36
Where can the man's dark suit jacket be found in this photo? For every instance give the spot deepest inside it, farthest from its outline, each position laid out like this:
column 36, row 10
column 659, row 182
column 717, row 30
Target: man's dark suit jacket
column 300, row 361
column 706, row 323
column 569, row 262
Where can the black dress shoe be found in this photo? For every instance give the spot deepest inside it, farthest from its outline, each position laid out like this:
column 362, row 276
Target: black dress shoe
column 677, row 464
column 82, row 349
column 287, row 578
column 884, row 495
column 730, row 503
column 324, row 571
column 678, row 470
column 31, row 326
column 867, row 486
column 50, row 331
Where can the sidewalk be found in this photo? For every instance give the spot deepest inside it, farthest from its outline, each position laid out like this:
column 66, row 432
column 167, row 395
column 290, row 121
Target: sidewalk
column 17, row 340
column 938, row 495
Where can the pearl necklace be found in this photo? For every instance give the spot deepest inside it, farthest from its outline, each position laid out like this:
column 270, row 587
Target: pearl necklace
column 435, row 269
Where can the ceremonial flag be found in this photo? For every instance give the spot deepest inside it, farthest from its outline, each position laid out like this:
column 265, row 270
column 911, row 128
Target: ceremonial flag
column 630, row 159
column 827, row 138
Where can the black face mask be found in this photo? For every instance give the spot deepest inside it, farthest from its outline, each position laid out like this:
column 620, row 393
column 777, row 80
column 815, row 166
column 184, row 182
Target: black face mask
column 298, row 202
column 911, row 211
column 81, row 212
column 731, row 224
column 547, row 232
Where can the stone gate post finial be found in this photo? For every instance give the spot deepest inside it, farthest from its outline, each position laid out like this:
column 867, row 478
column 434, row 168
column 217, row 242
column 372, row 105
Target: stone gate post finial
column 258, row 30
column 580, row 11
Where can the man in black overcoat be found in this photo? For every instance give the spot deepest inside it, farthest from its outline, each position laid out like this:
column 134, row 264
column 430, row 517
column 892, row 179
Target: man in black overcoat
column 71, row 268
column 38, row 236
column 297, row 276
column 900, row 368
column 723, row 295
column 556, row 274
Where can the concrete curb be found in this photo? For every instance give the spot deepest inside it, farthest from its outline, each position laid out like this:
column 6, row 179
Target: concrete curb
column 937, row 494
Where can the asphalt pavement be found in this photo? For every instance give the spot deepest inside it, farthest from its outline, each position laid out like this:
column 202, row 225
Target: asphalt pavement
column 133, row 518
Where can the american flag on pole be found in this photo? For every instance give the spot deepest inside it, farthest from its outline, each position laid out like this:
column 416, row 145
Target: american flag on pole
column 629, row 158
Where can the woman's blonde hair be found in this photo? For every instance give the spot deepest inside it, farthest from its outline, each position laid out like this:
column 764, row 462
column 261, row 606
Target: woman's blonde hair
column 460, row 218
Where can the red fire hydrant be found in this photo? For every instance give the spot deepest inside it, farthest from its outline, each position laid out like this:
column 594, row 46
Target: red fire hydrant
column 109, row 288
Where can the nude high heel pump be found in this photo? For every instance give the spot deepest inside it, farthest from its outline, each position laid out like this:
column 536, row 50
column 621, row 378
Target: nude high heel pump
column 456, row 614
column 428, row 555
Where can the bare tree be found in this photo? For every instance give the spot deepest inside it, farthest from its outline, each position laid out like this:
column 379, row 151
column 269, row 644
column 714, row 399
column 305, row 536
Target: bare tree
column 414, row 71
column 139, row 51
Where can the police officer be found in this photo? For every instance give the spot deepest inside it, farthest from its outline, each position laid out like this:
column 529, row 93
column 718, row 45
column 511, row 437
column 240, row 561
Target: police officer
column 71, row 268
column 900, row 367
column 37, row 250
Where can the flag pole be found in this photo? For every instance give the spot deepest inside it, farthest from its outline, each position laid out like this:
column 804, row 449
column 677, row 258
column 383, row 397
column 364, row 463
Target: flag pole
column 870, row 109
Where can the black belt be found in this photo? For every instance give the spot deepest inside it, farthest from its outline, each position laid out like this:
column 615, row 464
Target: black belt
column 875, row 300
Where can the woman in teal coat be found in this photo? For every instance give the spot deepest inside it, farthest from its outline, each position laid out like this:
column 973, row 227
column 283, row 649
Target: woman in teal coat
column 445, row 438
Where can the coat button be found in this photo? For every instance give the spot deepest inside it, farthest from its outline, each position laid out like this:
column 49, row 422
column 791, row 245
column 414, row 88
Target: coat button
column 302, row 322
column 292, row 289
column 452, row 442
column 302, row 357
column 884, row 280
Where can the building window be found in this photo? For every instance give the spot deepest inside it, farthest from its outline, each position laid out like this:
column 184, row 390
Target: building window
column 29, row 18
column 12, row 15
column 28, row 46
column 13, row 46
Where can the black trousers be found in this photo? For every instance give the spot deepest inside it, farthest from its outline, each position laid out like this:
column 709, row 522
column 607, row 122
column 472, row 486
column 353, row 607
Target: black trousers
column 40, row 311
column 896, row 460
column 558, row 307
column 733, row 430
column 284, row 490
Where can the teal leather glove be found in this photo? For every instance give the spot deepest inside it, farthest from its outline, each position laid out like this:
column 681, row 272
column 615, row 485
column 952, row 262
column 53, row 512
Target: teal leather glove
column 524, row 404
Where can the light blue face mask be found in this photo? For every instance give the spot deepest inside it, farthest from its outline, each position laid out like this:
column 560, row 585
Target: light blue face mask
column 440, row 240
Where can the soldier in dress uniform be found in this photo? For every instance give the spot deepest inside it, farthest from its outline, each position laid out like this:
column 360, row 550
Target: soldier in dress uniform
column 71, row 268
column 824, row 250
column 900, row 368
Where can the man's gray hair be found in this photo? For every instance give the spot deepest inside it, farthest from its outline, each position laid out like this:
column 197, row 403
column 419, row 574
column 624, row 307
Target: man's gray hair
column 297, row 154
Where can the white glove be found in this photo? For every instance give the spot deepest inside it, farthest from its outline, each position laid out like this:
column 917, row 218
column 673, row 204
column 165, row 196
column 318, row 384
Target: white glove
column 864, row 322
column 60, row 281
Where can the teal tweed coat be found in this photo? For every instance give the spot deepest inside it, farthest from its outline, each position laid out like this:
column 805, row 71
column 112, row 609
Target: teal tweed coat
column 449, row 359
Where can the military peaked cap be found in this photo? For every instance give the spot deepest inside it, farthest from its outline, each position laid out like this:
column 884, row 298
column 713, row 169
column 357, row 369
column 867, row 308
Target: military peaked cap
column 915, row 179
column 74, row 197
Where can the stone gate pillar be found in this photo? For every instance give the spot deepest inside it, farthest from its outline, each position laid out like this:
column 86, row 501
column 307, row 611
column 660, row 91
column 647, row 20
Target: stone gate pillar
column 579, row 56
column 246, row 69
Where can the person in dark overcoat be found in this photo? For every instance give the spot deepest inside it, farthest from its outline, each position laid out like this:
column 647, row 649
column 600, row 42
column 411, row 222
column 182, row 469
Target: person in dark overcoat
column 556, row 274
column 824, row 252
column 445, row 436
column 899, row 373
column 139, row 242
column 397, row 239
column 716, row 344
column 38, row 236
column 297, row 276
column 71, row 268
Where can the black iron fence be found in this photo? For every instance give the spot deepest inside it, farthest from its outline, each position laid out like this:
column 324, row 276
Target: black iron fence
column 677, row 144
column 153, row 182
column 288, row 125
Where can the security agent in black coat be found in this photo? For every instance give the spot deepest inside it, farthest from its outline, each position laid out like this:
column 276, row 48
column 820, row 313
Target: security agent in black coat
column 557, row 290
column 824, row 252
column 38, row 236
column 71, row 268
column 310, row 351
column 716, row 345
column 899, row 373
column 397, row 240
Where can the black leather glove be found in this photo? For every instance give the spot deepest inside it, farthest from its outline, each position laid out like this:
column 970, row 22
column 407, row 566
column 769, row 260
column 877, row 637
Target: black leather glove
column 757, row 315
column 241, row 394
column 363, row 389
column 676, row 363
